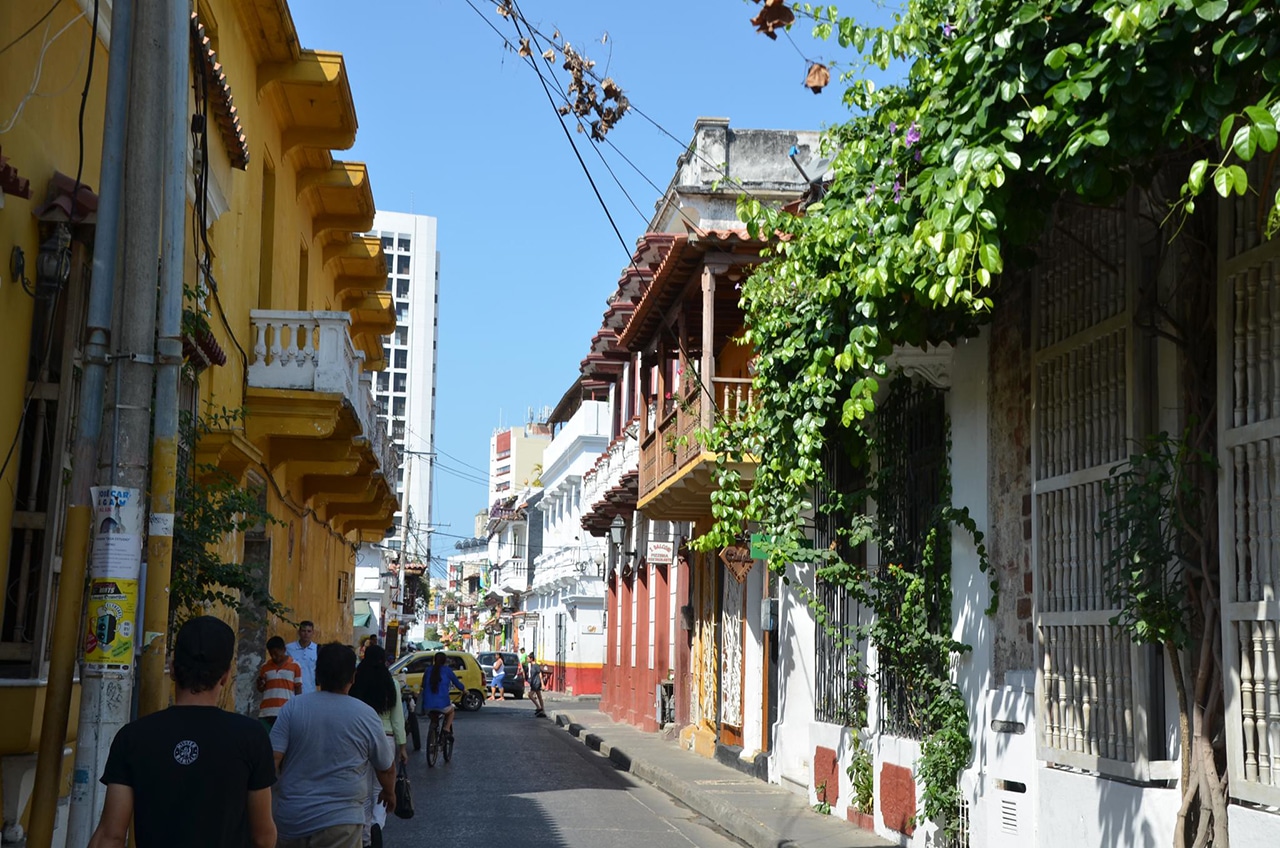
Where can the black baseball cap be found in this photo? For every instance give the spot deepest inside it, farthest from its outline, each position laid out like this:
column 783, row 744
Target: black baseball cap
column 205, row 642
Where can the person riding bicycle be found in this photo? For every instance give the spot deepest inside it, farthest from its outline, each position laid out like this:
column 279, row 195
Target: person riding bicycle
column 435, row 690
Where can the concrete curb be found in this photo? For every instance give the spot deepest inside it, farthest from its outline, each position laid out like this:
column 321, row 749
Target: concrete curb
column 727, row 817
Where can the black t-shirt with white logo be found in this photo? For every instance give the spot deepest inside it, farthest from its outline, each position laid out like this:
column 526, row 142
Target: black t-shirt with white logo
column 191, row 769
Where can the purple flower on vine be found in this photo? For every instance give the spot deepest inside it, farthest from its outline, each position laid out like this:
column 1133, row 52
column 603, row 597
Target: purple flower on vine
column 913, row 134
column 948, row 29
column 917, row 156
column 897, row 191
column 871, row 193
column 893, row 128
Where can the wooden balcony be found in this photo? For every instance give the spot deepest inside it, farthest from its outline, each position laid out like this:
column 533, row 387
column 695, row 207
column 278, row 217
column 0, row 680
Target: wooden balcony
column 676, row 471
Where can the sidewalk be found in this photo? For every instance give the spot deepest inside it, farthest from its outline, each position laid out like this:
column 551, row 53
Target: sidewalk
column 760, row 814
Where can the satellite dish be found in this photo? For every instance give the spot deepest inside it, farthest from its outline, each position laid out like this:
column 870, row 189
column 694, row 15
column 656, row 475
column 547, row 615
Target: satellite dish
column 813, row 170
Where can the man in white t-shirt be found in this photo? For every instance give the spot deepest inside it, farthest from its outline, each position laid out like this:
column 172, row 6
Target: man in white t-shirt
column 303, row 652
column 326, row 744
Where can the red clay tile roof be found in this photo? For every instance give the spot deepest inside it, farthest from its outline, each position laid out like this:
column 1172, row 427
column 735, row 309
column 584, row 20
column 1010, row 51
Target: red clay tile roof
column 11, row 183
column 59, row 205
column 606, row 354
column 219, row 92
column 685, row 255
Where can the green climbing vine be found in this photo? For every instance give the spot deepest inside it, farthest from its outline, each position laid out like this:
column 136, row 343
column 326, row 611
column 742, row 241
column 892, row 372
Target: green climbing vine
column 1002, row 111
column 212, row 508
column 910, row 623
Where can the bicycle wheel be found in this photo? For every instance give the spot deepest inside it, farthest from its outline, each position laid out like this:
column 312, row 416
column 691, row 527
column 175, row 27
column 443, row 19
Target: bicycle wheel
column 411, row 724
column 433, row 740
column 447, row 744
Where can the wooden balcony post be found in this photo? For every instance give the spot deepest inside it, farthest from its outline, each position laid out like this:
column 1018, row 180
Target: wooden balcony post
column 707, row 405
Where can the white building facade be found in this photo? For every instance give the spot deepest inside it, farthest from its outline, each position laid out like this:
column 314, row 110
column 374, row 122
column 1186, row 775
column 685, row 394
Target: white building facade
column 563, row 620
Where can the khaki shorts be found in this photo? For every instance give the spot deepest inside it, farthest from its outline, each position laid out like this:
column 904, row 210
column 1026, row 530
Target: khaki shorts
column 338, row 836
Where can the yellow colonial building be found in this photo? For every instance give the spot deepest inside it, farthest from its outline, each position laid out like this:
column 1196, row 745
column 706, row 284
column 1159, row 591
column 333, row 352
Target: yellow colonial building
column 293, row 306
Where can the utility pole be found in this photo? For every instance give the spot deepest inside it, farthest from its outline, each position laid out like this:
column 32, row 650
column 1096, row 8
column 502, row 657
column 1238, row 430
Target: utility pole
column 120, row 499
column 69, row 613
column 154, row 694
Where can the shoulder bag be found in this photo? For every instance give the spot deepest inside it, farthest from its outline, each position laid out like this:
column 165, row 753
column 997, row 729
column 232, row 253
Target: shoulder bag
column 404, row 793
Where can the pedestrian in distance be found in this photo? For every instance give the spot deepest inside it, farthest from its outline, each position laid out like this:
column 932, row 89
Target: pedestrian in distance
column 375, row 686
column 436, row 686
column 496, row 679
column 533, row 673
column 303, row 651
column 193, row 774
column 326, row 747
column 279, row 680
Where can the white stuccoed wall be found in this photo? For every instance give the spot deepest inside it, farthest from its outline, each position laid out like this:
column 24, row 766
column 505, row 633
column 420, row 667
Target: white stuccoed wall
column 790, row 761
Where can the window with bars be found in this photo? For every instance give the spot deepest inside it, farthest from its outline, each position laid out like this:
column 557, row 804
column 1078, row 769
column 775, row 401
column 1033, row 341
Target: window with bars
column 911, row 428
column 40, row 451
column 839, row 676
column 1249, row 495
column 1097, row 693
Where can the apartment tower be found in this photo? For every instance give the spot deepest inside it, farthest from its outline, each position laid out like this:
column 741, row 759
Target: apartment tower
column 406, row 390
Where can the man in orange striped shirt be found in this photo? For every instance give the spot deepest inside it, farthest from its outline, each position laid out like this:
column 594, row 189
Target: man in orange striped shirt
column 279, row 680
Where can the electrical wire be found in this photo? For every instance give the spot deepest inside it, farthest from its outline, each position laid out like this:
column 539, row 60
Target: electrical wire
column 71, row 216
column 631, row 107
column 569, row 137
column 45, row 44
column 517, row 18
column 32, row 28
column 448, row 455
column 474, row 480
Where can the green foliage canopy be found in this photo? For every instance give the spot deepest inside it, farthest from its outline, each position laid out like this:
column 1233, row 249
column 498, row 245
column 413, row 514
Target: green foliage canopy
column 1005, row 109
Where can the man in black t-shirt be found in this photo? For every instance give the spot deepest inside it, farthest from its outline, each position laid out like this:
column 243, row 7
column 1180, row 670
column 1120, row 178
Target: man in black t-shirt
column 192, row 775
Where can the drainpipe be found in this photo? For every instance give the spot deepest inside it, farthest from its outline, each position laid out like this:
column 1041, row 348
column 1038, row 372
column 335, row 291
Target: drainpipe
column 65, row 642
column 106, row 692
column 154, row 694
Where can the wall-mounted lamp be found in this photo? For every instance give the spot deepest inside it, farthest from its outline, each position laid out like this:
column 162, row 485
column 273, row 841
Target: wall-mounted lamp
column 53, row 265
column 618, row 534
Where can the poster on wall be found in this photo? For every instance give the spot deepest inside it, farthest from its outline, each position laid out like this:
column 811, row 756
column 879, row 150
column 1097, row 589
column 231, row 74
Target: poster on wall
column 115, row 566
column 113, row 609
column 117, row 533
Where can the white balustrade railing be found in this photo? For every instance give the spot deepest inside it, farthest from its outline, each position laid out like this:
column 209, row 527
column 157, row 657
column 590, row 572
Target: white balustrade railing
column 565, row 566
column 622, row 455
column 313, row 351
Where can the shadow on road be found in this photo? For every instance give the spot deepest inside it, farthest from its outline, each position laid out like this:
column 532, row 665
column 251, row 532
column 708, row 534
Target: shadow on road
column 518, row 778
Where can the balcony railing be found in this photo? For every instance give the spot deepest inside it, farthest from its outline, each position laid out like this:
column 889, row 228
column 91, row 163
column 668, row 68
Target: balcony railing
column 566, row 566
column 313, row 351
column 622, row 456
column 512, row 577
column 670, row 442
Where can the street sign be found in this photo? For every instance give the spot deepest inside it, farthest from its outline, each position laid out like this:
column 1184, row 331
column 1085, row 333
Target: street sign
column 737, row 559
column 661, row 553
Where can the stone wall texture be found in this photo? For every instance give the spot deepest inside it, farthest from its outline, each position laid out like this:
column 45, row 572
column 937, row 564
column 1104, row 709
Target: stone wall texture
column 1009, row 449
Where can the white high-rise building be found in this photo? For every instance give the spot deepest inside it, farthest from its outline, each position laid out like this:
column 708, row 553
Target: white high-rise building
column 406, row 390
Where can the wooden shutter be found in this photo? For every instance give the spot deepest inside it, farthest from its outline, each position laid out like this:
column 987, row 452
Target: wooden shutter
column 1092, row 690
column 1249, row 497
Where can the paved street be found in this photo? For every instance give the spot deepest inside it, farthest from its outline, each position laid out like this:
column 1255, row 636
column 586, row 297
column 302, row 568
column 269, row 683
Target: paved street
column 520, row 781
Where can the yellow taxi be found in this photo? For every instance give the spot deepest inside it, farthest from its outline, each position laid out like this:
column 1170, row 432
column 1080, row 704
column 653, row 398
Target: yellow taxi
column 408, row 671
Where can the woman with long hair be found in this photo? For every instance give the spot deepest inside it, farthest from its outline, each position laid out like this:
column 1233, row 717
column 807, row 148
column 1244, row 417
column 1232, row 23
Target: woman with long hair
column 374, row 685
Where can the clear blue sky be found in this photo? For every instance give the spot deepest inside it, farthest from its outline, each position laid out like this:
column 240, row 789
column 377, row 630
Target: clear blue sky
column 454, row 125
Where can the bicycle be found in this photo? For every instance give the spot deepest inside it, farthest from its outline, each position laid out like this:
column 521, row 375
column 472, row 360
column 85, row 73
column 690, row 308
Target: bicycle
column 438, row 742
